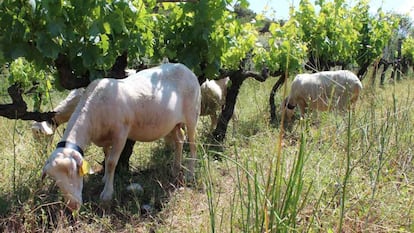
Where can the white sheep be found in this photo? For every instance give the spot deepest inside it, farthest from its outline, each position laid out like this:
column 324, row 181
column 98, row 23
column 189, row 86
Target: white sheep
column 213, row 98
column 63, row 111
column 149, row 105
column 322, row 91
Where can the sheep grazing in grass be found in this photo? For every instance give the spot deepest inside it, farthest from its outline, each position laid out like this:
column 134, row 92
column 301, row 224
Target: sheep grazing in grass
column 63, row 111
column 146, row 106
column 322, row 91
column 213, row 98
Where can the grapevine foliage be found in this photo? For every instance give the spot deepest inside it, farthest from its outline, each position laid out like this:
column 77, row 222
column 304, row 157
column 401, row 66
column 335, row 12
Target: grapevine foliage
column 90, row 33
column 408, row 49
column 340, row 34
column 286, row 51
column 23, row 73
column 206, row 35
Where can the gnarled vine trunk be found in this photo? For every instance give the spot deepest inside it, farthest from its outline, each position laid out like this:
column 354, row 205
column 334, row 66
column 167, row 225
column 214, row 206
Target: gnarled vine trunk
column 272, row 104
column 385, row 65
column 237, row 78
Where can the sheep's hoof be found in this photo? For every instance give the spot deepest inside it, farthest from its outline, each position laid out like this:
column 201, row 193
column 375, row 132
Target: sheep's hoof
column 106, row 196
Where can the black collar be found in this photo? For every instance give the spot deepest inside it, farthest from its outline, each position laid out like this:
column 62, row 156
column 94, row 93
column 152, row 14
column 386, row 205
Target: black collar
column 66, row 144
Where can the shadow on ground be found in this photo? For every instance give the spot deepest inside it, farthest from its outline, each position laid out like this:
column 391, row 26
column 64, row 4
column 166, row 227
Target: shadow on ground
column 41, row 208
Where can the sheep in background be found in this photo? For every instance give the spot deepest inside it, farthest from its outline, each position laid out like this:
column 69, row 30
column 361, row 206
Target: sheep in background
column 322, row 91
column 63, row 111
column 149, row 105
column 213, row 98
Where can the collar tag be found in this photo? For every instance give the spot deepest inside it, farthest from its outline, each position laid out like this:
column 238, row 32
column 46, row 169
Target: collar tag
column 85, row 168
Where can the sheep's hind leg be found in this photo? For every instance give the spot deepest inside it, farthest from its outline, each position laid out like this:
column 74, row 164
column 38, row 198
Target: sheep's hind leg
column 178, row 138
column 214, row 120
column 191, row 133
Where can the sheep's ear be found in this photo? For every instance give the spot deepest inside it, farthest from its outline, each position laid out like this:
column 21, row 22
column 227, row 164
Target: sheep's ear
column 78, row 158
column 85, row 168
column 48, row 128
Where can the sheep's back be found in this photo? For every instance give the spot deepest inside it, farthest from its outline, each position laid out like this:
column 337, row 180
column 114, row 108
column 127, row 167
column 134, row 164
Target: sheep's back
column 324, row 88
column 148, row 104
column 326, row 83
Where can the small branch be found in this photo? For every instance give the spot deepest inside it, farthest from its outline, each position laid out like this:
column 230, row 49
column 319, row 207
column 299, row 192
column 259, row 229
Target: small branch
column 259, row 77
column 18, row 108
column 225, row 73
column 277, row 73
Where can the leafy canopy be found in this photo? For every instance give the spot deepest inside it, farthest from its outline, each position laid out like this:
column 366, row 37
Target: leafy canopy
column 91, row 33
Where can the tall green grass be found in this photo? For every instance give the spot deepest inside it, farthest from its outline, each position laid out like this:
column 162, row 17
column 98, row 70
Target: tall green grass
column 283, row 192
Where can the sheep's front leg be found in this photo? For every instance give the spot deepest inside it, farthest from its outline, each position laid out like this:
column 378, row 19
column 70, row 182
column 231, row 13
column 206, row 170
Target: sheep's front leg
column 111, row 160
column 302, row 107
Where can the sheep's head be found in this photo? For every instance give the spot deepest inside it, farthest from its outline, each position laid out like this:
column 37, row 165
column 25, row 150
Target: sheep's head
column 288, row 108
column 67, row 167
column 43, row 128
